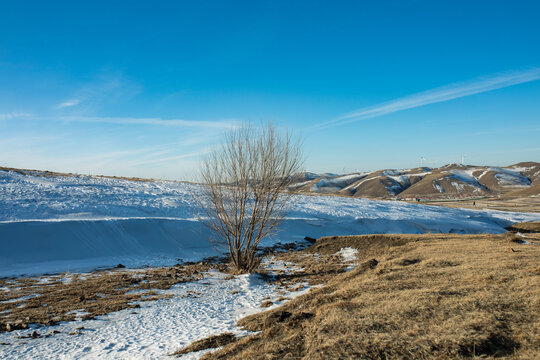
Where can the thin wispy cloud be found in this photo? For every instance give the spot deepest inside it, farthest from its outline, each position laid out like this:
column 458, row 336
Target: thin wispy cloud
column 172, row 158
column 104, row 88
column 226, row 123
column 69, row 103
column 148, row 121
column 437, row 95
column 13, row 115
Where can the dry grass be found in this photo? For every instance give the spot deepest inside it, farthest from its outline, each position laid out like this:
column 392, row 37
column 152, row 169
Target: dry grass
column 207, row 343
column 411, row 297
column 526, row 227
column 522, row 204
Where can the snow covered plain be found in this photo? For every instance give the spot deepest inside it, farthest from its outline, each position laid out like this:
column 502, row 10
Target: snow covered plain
column 59, row 224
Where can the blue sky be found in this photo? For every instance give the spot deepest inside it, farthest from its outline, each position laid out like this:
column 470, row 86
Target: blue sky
column 145, row 88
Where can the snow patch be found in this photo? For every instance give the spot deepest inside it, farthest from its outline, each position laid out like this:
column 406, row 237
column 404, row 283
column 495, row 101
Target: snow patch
column 509, row 177
column 438, row 187
column 459, row 187
column 521, row 169
column 348, row 254
column 465, row 176
column 154, row 330
column 395, row 188
column 22, row 298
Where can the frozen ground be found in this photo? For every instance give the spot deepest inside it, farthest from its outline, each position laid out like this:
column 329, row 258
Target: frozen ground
column 197, row 310
column 53, row 224
column 58, row 224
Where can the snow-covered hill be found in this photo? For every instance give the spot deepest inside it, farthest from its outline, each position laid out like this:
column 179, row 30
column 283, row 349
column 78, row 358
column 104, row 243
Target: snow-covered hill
column 449, row 181
column 54, row 223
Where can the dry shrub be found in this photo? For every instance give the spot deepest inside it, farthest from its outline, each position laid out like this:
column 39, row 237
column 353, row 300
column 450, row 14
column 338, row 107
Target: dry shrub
column 242, row 198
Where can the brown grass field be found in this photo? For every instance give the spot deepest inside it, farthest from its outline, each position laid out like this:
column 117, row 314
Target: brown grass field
column 432, row 296
column 527, row 204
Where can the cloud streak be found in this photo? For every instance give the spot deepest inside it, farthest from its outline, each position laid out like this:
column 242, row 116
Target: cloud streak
column 437, row 95
column 148, row 121
column 69, row 103
column 225, row 124
column 13, row 115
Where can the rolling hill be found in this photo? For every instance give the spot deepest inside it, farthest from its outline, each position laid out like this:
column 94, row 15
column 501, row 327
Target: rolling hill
column 451, row 181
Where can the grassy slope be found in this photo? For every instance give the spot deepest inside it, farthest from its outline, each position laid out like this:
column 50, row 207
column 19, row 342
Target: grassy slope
column 526, row 227
column 425, row 296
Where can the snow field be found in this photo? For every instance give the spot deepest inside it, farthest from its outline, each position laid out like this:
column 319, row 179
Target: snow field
column 197, row 310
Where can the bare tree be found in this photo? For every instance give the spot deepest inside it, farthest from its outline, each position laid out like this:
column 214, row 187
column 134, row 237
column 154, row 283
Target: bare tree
column 243, row 194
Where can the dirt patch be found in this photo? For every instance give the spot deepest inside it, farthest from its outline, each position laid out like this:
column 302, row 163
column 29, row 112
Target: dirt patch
column 410, row 297
column 49, row 299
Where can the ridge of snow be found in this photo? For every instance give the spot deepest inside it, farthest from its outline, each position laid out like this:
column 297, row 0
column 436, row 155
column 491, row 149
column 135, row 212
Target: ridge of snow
column 356, row 185
column 336, row 183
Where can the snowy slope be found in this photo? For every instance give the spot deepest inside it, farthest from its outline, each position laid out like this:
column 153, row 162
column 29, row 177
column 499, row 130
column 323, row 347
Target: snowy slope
column 448, row 181
column 56, row 224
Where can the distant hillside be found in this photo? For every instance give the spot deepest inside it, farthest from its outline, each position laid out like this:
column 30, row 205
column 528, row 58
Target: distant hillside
column 453, row 181
column 447, row 182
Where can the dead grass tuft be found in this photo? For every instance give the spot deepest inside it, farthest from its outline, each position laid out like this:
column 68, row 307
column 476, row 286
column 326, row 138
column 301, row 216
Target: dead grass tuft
column 207, row 343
